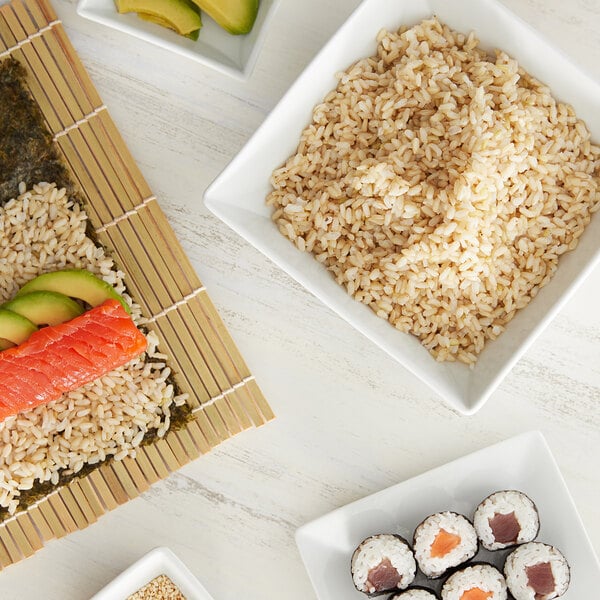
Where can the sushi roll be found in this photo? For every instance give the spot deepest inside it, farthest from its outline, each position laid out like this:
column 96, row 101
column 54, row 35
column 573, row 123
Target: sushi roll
column 476, row 582
column 383, row 563
column 536, row 571
column 415, row 593
column 506, row 519
column 442, row 541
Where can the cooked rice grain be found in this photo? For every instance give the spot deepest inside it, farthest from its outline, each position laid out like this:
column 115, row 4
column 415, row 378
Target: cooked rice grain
column 40, row 231
column 440, row 186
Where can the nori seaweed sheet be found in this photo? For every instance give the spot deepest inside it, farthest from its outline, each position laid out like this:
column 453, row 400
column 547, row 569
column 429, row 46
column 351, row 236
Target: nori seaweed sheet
column 26, row 149
column 28, row 153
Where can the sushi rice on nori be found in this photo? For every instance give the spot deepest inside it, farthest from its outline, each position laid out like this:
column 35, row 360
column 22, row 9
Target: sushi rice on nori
column 536, row 571
column 476, row 582
column 415, row 593
column 383, row 563
column 506, row 518
column 106, row 419
column 442, row 541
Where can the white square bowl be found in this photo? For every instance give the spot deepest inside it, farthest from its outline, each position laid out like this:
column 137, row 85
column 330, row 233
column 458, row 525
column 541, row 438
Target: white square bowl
column 522, row 463
column 234, row 55
column 238, row 194
column 160, row 561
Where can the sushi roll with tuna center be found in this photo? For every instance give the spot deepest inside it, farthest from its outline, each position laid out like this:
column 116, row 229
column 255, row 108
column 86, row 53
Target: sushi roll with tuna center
column 505, row 519
column 383, row 563
column 536, row 571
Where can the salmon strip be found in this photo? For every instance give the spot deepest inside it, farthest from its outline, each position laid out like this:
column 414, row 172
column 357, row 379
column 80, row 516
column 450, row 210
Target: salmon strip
column 476, row 594
column 443, row 543
column 58, row 359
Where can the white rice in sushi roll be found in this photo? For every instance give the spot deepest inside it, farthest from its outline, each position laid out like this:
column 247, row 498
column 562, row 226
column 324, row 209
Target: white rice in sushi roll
column 442, row 541
column 505, row 519
column 383, row 563
column 415, row 594
column 476, row 581
column 536, row 571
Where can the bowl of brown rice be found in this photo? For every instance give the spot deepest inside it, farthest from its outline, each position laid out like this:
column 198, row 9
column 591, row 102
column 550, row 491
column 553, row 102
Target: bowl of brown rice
column 432, row 177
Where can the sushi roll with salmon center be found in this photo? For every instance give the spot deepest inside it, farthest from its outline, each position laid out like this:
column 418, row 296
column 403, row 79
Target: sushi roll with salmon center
column 442, row 541
column 506, row 518
column 476, row 582
column 536, row 571
column 383, row 563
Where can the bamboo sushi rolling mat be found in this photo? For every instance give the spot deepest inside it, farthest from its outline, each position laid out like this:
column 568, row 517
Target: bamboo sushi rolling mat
column 224, row 396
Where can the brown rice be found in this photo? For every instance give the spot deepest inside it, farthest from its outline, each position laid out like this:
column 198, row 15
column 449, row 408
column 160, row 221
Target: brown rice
column 440, row 186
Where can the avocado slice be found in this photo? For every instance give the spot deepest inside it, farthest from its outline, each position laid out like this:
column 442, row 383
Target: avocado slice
column 182, row 15
column 14, row 327
column 157, row 20
column 5, row 344
column 236, row 16
column 193, row 35
column 44, row 307
column 76, row 283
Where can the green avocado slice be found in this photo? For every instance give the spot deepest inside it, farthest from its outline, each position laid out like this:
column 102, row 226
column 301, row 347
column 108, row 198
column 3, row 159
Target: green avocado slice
column 14, row 327
column 44, row 307
column 181, row 15
column 75, row 283
column 193, row 35
column 5, row 344
column 236, row 16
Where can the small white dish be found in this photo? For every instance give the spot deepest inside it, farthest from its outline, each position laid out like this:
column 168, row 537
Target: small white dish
column 249, row 172
column 160, row 561
column 234, row 55
column 524, row 463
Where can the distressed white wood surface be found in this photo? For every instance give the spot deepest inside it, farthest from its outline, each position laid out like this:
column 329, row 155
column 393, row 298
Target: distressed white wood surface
column 350, row 420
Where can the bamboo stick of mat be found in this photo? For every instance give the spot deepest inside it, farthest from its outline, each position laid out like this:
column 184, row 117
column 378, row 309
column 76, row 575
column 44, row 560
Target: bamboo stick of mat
column 128, row 221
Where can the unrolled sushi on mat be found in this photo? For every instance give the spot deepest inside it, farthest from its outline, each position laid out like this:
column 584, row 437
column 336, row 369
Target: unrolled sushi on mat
column 44, row 228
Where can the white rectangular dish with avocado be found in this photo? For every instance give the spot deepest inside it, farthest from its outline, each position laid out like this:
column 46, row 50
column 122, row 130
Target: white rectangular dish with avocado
column 231, row 54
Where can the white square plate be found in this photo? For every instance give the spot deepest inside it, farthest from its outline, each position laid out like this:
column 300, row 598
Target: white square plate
column 523, row 463
column 237, row 196
column 233, row 55
column 160, row 561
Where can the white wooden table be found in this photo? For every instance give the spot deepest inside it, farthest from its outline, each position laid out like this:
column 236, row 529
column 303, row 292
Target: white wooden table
column 350, row 421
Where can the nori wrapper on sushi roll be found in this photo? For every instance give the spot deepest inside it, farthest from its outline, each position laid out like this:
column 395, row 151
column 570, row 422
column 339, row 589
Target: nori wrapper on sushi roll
column 537, row 571
column 478, row 581
column 442, row 541
column 382, row 563
column 415, row 592
column 506, row 518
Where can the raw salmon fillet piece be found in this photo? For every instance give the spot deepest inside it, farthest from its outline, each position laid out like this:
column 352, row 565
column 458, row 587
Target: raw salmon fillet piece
column 58, row 359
